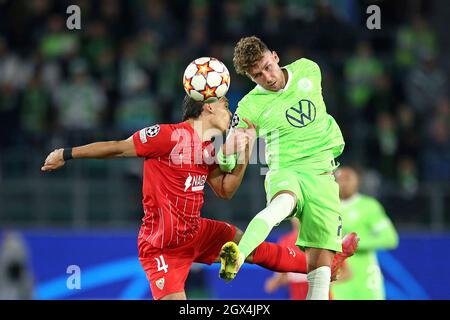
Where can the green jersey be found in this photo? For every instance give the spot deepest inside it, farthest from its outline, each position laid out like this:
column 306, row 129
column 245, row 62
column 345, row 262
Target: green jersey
column 294, row 120
column 365, row 216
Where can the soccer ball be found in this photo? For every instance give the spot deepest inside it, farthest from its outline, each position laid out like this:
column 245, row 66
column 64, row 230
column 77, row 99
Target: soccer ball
column 206, row 79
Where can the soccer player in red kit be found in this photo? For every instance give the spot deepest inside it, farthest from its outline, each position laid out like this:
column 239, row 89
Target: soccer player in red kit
column 178, row 160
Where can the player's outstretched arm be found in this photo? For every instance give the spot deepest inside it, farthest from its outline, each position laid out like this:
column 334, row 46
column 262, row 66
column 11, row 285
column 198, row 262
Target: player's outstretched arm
column 96, row 150
column 379, row 232
column 225, row 184
column 279, row 279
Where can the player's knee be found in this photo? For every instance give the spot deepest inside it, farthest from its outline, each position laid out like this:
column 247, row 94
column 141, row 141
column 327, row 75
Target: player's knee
column 280, row 208
column 285, row 201
column 317, row 258
column 285, row 194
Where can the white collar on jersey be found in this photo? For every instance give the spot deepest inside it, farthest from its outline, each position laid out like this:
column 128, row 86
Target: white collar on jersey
column 349, row 201
column 281, row 90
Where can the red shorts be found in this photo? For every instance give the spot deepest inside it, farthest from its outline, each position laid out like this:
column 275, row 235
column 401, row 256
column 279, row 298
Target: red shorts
column 168, row 268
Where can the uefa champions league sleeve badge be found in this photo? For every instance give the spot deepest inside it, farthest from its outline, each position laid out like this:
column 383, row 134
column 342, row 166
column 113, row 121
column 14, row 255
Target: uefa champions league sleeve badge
column 152, row 131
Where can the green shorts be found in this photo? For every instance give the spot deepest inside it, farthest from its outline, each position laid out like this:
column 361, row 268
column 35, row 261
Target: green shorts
column 318, row 204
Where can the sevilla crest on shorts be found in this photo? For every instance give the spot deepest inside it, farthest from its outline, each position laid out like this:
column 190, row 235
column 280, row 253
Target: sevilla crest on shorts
column 160, row 283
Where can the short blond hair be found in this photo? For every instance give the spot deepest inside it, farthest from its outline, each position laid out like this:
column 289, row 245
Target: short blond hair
column 247, row 53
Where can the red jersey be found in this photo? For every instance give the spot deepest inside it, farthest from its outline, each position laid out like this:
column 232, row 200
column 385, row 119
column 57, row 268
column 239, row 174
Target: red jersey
column 176, row 168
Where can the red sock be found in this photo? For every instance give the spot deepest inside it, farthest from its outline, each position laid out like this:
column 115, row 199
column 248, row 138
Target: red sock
column 280, row 258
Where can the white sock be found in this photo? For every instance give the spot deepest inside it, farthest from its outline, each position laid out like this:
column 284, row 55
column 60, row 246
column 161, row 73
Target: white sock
column 319, row 284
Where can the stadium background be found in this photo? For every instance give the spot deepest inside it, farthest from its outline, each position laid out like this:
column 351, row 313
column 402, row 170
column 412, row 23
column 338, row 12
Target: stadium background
column 387, row 88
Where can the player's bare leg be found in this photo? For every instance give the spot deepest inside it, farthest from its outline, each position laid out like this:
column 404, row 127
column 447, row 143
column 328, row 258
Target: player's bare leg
column 319, row 273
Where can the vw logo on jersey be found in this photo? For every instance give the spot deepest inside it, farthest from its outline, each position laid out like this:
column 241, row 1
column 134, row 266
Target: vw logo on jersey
column 302, row 114
column 305, row 84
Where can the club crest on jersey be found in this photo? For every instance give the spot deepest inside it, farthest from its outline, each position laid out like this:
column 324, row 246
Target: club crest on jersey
column 302, row 114
column 196, row 183
column 305, row 84
column 235, row 120
column 160, row 283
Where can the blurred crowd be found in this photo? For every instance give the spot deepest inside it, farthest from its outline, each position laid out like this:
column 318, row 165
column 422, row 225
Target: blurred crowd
column 122, row 71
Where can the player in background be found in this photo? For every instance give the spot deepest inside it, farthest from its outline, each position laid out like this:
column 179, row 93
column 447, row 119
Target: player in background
column 178, row 160
column 302, row 141
column 297, row 283
column 366, row 216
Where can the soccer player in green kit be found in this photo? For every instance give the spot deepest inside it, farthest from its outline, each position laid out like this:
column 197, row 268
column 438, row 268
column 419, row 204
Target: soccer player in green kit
column 302, row 141
column 366, row 216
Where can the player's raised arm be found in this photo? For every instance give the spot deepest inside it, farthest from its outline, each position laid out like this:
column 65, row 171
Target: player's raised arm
column 96, row 150
column 226, row 184
column 149, row 142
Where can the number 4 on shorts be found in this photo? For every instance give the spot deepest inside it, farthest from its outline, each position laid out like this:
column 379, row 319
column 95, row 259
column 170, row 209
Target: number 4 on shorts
column 162, row 264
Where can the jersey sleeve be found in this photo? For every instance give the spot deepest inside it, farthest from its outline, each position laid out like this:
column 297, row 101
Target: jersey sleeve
column 380, row 232
column 309, row 65
column 310, row 68
column 245, row 110
column 154, row 141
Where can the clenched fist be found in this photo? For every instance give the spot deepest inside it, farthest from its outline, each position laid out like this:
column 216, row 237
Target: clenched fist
column 54, row 160
column 239, row 139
